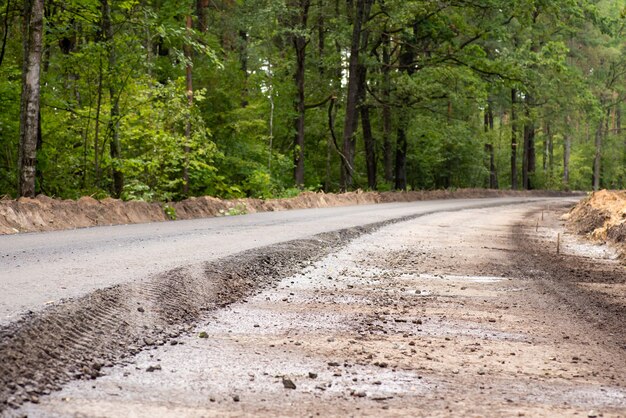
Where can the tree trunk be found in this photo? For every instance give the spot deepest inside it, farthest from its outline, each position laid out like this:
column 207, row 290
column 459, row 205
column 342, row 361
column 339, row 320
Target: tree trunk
column 114, row 121
column 528, row 161
column 189, row 84
column 321, row 36
column 550, row 153
column 489, row 149
column 96, row 140
column 370, row 147
column 493, row 177
column 368, row 137
column 567, row 150
column 243, row 62
column 513, row 140
column 201, row 6
column 387, row 146
column 29, row 108
column 300, row 43
column 407, row 56
column 597, row 160
column 352, row 102
column 401, row 148
column 6, row 31
column 546, row 140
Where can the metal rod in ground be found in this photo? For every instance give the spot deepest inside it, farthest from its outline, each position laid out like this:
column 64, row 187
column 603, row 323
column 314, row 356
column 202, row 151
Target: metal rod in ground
column 558, row 243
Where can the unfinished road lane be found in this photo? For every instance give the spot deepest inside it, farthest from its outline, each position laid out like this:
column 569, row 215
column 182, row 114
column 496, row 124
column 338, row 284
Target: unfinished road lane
column 38, row 269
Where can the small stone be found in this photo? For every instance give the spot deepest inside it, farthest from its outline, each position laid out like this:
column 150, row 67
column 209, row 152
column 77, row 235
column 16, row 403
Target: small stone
column 203, row 335
column 288, row 383
column 312, row 375
column 257, row 326
column 592, row 414
column 333, row 364
column 236, row 398
column 173, row 342
column 141, row 309
column 151, row 369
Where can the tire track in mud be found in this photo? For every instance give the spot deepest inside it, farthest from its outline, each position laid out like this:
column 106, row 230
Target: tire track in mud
column 76, row 339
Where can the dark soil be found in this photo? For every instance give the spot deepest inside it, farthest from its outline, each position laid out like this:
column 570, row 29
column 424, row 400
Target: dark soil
column 590, row 219
column 566, row 277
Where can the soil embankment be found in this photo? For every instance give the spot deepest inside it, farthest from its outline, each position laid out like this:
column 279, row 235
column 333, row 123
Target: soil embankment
column 602, row 217
column 46, row 214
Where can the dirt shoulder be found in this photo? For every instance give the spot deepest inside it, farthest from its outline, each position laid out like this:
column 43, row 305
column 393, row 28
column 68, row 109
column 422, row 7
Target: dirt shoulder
column 601, row 217
column 46, row 214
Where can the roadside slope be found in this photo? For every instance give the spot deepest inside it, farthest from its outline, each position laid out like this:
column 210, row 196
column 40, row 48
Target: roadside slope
column 46, row 214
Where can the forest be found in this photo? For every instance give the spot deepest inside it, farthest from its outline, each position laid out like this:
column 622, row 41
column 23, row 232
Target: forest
column 161, row 100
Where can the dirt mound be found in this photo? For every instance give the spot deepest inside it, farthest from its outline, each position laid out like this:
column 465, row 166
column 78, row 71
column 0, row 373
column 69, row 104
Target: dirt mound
column 46, row 214
column 601, row 216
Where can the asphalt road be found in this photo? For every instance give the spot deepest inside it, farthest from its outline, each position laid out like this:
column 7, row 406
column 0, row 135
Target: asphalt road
column 37, row 269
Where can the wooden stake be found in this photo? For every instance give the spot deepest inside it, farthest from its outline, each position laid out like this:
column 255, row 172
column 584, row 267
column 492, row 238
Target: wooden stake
column 558, row 244
column 542, row 215
column 537, row 227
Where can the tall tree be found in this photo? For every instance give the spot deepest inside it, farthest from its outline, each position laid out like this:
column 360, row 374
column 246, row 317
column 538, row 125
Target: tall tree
column 114, row 120
column 189, row 87
column 361, row 15
column 300, row 42
column 30, row 103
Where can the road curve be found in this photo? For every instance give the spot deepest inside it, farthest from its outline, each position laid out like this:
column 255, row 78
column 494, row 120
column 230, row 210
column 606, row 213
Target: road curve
column 37, row 269
column 453, row 314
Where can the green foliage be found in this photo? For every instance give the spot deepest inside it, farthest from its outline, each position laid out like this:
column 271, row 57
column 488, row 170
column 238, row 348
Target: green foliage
column 564, row 58
column 170, row 212
column 238, row 209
